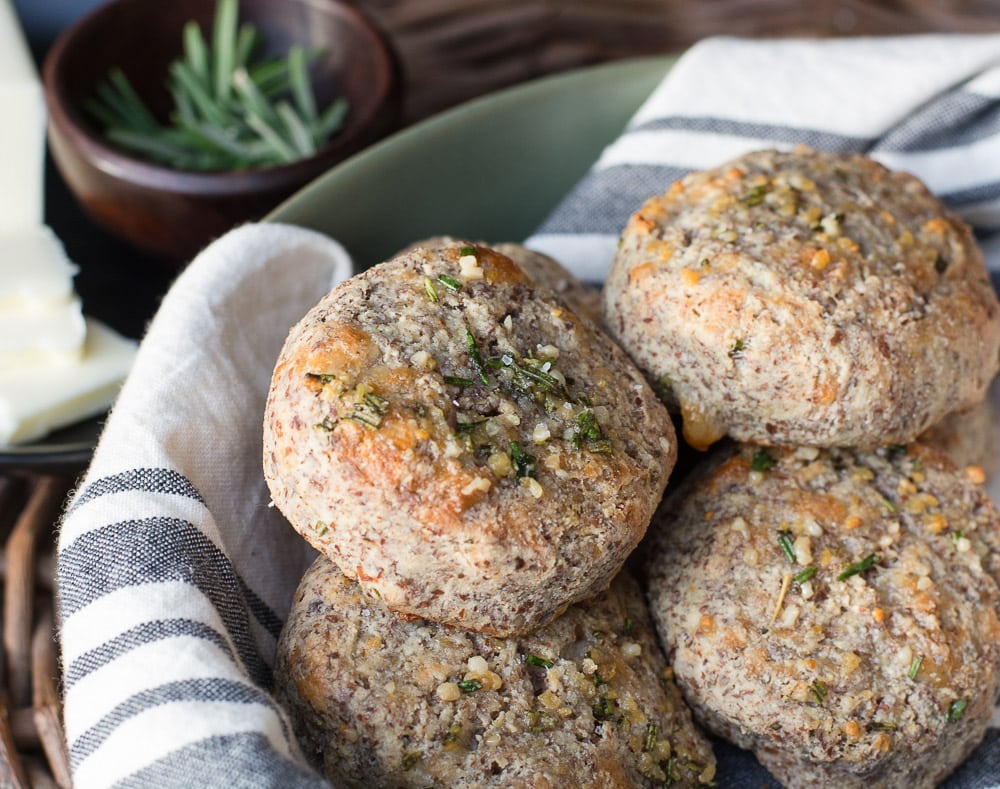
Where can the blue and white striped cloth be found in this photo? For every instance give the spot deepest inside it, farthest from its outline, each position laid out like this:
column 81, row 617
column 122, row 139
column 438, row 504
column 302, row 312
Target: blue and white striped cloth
column 926, row 104
column 175, row 573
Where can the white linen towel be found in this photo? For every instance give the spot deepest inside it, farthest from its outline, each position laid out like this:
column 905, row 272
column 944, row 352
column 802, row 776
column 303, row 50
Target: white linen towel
column 175, row 574
column 925, row 104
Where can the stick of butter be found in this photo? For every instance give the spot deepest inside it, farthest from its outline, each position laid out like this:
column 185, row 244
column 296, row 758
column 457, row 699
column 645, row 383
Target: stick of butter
column 56, row 368
column 22, row 128
column 44, row 397
column 41, row 318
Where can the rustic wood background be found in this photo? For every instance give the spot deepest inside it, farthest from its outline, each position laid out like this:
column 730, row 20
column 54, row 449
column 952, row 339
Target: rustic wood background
column 453, row 50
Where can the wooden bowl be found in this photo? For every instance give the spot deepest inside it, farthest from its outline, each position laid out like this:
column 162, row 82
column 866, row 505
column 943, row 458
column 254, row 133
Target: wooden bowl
column 174, row 213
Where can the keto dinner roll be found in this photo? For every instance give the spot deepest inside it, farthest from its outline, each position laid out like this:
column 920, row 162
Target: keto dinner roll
column 805, row 299
column 832, row 610
column 460, row 442
column 380, row 701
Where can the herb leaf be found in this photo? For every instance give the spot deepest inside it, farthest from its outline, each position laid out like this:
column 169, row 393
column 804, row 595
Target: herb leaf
column 369, row 411
column 957, row 709
column 603, row 708
column 534, row 660
column 450, row 283
column 859, row 567
column 477, row 359
column 761, row 461
column 755, row 196
column 818, row 691
column 469, row 685
column 787, row 546
column 588, row 434
column 524, row 464
column 649, row 741
column 230, row 113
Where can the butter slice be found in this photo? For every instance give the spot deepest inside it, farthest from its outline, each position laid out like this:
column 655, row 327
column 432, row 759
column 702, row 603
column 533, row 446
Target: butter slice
column 41, row 398
column 34, row 269
column 22, row 128
column 32, row 335
column 41, row 318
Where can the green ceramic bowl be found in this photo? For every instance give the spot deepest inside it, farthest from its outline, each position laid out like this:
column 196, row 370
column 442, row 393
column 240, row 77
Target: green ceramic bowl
column 490, row 169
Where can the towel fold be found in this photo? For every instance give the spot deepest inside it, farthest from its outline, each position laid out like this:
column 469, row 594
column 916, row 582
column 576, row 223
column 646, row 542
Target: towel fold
column 175, row 574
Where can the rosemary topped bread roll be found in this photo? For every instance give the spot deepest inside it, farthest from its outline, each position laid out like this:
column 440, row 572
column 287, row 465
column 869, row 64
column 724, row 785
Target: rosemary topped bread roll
column 586, row 701
column 805, row 298
column 462, row 443
column 835, row 611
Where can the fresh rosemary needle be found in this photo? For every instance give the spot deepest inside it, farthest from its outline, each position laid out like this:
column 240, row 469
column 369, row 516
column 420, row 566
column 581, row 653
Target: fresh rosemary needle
column 231, row 111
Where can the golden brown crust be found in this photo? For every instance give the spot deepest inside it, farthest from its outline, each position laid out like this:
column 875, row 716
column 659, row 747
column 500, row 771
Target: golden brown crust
column 376, row 701
column 460, row 441
column 584, row 299
column 878, row 665
column 805, row 298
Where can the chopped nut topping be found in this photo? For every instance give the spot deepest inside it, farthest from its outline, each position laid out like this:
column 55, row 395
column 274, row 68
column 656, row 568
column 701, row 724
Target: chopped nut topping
column 476, row 485
column 448, row 691
column 533, row 486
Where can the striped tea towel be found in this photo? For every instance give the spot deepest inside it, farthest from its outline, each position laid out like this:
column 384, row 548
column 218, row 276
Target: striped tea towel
column 925, row 104
column 174, row 572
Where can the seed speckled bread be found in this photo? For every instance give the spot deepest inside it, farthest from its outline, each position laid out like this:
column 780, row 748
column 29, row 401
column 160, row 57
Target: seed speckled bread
column 584, row 299
column 805, row 298
column 463, row 444
column 378, row 701
column 830, row 610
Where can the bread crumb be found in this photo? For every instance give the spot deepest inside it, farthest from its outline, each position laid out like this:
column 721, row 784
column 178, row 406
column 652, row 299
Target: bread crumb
column 975, row 474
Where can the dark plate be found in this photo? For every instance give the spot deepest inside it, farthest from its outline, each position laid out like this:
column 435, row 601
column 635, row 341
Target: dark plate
column 65, row 451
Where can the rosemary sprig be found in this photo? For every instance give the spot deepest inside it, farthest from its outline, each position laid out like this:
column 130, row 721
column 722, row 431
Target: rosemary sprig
column 231, row 111
column 859, row 567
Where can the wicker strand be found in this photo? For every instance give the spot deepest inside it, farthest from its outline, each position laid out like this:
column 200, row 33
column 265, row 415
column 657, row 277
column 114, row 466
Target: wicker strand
column 45, row 699
column 11, row 768
column 35, row 521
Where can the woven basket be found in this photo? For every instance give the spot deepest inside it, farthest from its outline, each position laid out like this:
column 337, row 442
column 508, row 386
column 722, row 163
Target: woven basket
column 450, row 51
column 31, row 736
